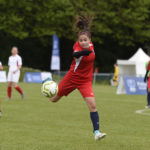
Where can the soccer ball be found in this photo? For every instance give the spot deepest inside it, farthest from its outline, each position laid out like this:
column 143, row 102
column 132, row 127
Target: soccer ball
column 49, row 89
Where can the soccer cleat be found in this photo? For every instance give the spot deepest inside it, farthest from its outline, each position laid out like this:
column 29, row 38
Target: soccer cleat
column 147, row 106
column 0, row 113
column 98, row 135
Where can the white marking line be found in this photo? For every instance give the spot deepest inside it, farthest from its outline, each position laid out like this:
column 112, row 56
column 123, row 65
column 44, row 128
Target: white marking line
column 143, row 112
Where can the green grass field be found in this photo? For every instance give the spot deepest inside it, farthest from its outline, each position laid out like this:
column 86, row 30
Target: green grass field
column 37, row 124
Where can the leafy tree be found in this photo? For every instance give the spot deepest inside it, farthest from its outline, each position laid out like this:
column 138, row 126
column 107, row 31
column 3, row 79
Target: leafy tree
column 118, row 26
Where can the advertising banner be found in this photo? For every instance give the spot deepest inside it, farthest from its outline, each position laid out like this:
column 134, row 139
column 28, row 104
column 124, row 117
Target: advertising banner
column 3, row 77
column 135, row 85
column 36, row 77
column 55, row 59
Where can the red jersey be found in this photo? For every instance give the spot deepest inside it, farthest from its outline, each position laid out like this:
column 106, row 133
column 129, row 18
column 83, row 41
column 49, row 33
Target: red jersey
column 148, row 66
column 81, row 69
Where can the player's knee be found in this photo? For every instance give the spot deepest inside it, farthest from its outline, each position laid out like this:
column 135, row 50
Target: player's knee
column 15, row 85
column 9, row 83
column 149, row 90
column 93, row 107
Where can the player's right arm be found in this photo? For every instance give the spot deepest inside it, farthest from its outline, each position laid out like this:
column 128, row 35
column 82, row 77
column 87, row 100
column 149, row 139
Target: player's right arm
column 77, row 54
column 77, row 51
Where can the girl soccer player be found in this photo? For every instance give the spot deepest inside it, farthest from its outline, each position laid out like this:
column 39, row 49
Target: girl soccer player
column 14, row 63
column 81, row 72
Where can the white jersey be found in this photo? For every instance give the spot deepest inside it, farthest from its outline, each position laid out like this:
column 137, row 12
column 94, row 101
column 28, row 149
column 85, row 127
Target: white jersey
column 0, row 63
column 14, row 62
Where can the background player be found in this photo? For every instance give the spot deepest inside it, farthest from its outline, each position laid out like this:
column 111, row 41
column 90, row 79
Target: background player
column 147, row 78
column 116, row 74
column 81, row 72
column 1, row 68
column 15, row 64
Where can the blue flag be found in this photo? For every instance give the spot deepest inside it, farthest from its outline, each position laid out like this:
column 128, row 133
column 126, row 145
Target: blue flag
column 55, row 59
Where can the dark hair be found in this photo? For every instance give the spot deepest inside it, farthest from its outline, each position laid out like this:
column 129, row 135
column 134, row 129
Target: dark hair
column 82, row 24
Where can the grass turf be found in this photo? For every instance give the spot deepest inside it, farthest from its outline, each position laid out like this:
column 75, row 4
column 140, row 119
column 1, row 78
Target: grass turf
column 37, row 124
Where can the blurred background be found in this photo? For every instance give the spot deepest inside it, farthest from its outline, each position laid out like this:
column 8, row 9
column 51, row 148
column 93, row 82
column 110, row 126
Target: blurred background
column 119, row 28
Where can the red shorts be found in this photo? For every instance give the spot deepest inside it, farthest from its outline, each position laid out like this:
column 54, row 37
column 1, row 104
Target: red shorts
column 148, row 83
column 67, row 86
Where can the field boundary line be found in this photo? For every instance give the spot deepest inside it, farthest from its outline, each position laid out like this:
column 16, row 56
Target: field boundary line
column 143, row 112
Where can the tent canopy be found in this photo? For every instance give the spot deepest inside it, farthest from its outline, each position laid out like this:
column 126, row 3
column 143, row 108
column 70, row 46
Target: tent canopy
column 134, row 66
column 139, row 56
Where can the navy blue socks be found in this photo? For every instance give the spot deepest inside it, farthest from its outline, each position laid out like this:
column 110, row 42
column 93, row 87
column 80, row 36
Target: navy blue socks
column 148, row 98
column 95, row 120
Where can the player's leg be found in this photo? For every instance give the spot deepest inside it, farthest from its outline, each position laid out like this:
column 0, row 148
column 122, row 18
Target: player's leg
column 93, row 112
column 148, row 98
column 148, row 101
column 9, row 79
column 55, row 98
column 18, row 89
column 88, row 95
column 9, row 89
column 15, row 79
column 148, row 94
column 64, row 88
column 94, row 117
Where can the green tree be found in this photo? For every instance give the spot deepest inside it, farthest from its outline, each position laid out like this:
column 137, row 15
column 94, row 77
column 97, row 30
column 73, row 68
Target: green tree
column 117, row 24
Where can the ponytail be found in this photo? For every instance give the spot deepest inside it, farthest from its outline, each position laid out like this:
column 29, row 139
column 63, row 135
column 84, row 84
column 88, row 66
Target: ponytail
column 82, row 24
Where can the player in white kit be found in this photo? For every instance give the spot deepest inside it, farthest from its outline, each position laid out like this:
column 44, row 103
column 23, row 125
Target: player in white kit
column 1, row 68
column 15, row 64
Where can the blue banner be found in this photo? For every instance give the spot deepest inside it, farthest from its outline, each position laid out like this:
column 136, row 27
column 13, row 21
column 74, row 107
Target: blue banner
column 55, row 60
column 33, row 77
column 135, row 85
column 55, row 49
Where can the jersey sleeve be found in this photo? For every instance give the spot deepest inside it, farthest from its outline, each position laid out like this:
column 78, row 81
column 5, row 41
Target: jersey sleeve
column 19, row 61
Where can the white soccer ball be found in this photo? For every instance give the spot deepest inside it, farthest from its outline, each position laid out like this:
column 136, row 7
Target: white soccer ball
column 49, row 89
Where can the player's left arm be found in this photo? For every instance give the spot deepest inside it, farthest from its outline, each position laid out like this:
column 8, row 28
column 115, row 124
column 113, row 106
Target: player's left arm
column 19, row 67
column 19, row 64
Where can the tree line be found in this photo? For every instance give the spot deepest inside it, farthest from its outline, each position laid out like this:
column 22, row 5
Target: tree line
column 119, row 28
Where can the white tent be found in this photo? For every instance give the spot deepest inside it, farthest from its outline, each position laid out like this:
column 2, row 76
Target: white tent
column 134, row 66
